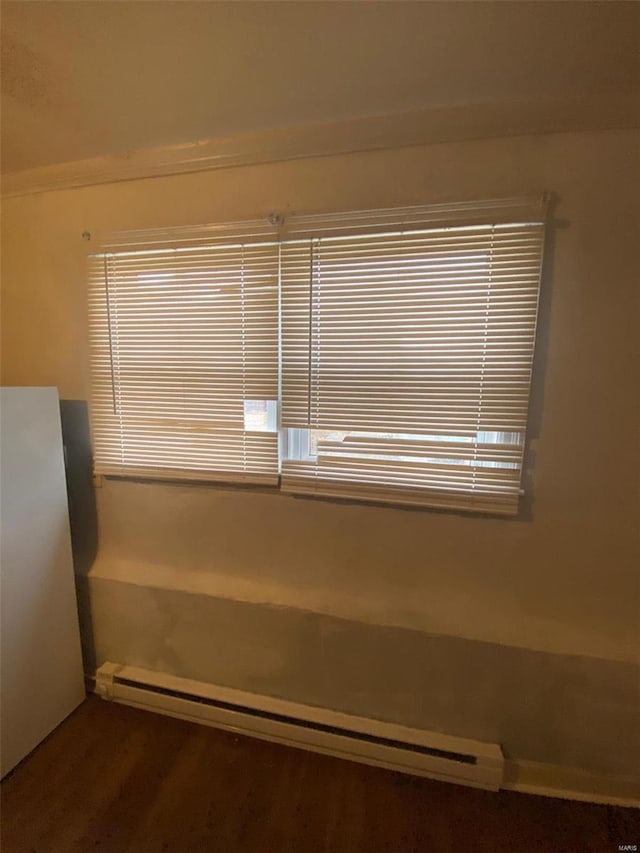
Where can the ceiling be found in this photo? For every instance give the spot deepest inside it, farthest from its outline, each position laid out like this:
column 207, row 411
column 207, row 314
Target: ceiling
column 82, row 79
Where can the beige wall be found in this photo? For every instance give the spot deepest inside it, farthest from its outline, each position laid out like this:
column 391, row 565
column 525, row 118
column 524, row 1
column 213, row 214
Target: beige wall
column 562, row 580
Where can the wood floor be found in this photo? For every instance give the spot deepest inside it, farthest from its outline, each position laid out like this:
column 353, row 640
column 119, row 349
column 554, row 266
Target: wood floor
column 113, row 779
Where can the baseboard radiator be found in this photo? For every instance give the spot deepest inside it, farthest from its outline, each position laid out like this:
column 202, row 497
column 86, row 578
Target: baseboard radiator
column 422, row 753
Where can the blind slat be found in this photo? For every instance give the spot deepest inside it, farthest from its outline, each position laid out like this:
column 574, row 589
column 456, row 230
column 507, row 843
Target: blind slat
column 181, row 342
column 410, row 335
column 397, row 344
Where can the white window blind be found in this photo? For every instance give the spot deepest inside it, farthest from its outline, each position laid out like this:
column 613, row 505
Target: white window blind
column 378, row 355
column 407, row 353
column 185, row 357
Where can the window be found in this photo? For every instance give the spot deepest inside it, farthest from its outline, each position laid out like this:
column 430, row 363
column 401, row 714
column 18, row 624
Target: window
column 185, row 360
column 381, row 356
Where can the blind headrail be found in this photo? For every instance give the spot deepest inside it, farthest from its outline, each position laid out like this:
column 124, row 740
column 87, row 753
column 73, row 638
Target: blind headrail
column 524, row 209
column 274, row 229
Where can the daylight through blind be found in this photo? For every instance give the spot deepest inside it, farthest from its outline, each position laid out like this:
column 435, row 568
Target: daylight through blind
column 185, row 362
column 380, row 355
column 407, row 362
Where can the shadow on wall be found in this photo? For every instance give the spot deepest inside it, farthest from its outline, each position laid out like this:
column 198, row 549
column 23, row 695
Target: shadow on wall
column 540, row 359
column 83, row 517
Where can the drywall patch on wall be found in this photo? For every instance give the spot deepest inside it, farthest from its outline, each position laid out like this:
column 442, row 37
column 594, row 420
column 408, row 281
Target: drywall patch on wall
column 559, row 709
column 478, row 578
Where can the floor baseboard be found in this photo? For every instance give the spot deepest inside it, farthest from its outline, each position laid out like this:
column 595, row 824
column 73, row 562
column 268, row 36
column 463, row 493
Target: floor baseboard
column 570, row 783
